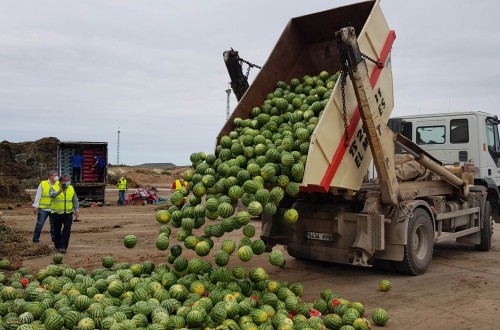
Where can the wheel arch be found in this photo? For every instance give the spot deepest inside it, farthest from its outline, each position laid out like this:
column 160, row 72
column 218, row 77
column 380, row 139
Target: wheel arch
column 420, row 204
column 493, row 195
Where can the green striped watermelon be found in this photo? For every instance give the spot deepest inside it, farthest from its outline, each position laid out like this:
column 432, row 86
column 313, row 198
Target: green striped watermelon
column 130, row 241
column 245, row 253
column 380, row 317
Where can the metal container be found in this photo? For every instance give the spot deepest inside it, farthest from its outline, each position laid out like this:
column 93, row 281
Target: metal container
column 308, row 46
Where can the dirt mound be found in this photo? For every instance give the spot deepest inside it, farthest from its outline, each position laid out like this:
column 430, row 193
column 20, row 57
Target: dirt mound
column 16, row 246
column 23, row 165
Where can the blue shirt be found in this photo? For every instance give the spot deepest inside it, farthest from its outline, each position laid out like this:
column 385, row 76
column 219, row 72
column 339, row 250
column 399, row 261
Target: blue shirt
column 100, row 161
column 77, row 160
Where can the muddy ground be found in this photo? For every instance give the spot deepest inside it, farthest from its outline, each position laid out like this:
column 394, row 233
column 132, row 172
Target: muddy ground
column 461, row 289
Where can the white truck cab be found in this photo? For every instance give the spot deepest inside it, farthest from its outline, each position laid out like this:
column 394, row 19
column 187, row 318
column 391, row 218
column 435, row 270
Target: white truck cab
column 470, row 138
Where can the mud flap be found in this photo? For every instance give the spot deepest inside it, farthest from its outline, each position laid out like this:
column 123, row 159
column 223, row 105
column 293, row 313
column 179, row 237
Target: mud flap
column 370, row 237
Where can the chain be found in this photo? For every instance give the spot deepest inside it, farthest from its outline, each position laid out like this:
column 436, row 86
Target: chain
column 343, row 81
column 250, row 65
column 379, row 64
column 343, row 78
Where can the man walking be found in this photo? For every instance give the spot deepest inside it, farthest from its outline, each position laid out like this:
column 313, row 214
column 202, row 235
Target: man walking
column 122, row 187
column 64, row 203
column 42, row 204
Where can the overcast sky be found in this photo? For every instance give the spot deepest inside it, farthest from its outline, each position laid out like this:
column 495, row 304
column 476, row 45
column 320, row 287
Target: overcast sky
column 78, row 70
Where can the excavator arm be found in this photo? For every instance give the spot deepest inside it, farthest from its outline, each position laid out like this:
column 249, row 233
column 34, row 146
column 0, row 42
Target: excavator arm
column 239, row 81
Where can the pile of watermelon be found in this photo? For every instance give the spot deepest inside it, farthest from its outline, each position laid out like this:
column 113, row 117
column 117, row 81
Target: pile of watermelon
column 191, row 294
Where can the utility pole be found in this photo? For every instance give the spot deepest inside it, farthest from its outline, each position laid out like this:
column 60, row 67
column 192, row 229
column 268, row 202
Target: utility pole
column 228, row 91
column 118, row 148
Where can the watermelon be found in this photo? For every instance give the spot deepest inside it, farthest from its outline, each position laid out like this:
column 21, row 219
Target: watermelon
column 380, row 316
column 130, row 241
column 202, row 248
column 163, row 216
column 165, row 229
column 245, row 253
column 108, row 262
column 116, row 288
column 228, row 246
column 384, row 285
column 162, row 242
column 4, row 264
column 349, row 318
column 262, row 196
column 54, row 322
column 258, row 246
column 251, row 186
column 270, row 209
column 221, row 258
column 361, row 324
column 249, row 231
column 86, row 324
column 177, row 198
column 257, row 274
column 292, row 189
column 291, row 216
column 225, row 210
column 195, row 318
column 276, row 258
column 57, row 258
column 255, row 208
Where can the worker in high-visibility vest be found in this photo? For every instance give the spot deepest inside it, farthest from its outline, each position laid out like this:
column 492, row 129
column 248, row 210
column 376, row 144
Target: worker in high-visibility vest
column 42, row 203
column 122, row 187
column 64, row 208
column 177, row 184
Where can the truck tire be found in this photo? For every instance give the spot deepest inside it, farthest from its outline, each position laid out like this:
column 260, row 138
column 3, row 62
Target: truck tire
column 420, row 246
column 486, row 229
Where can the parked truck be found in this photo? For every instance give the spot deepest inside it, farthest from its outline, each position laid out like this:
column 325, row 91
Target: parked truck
column 343, row 218
column 87, row 186
column 466, row 138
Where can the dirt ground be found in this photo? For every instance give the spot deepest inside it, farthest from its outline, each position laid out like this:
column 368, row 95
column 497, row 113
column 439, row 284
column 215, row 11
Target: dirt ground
column 460, row 290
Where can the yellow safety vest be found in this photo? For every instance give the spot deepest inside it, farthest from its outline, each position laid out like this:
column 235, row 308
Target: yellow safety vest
column 45, row 199
column 122, row 184
column 63, row 203
column 178, row 184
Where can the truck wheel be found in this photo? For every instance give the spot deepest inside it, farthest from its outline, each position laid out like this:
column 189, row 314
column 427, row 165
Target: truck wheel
column 420, row 245
column 486, row 230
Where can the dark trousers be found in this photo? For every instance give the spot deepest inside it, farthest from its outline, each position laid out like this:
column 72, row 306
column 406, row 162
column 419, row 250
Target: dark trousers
column 121, row 197
column 100, row 173
column 40, row 221
column 77, row 174
column 62, row 229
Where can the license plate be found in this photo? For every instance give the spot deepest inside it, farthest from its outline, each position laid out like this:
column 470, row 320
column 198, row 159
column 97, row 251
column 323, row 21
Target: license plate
column 319, row 236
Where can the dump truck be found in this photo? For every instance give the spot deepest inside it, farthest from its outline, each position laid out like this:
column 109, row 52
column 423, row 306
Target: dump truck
column 415, row 202
column 88, row 185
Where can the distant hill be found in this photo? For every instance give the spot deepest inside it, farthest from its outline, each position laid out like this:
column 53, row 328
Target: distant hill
column 157, row 165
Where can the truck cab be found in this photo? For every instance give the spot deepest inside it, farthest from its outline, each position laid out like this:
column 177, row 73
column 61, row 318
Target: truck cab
column 470, row 138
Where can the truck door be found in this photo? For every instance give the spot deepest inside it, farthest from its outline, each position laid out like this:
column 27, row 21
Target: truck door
column 493, row 146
